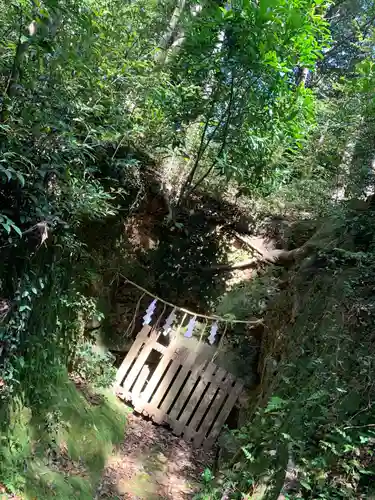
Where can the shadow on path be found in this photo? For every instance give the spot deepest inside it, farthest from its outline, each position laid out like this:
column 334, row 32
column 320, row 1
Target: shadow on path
column 153, row 464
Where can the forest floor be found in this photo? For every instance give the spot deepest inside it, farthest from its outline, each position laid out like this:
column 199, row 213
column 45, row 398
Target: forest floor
column 95, row 448
column 151, row 464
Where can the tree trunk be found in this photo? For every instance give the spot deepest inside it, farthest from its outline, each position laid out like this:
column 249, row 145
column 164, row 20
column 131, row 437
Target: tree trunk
column 37, row 29
column 302, row 78
column 277, row 257
column 19, row 56
column 167, row 39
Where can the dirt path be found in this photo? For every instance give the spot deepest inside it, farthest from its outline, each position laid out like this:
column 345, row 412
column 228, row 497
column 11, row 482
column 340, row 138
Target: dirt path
column 153, row 464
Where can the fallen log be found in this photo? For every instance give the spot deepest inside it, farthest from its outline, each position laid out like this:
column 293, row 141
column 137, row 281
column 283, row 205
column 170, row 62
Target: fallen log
column 277, row 257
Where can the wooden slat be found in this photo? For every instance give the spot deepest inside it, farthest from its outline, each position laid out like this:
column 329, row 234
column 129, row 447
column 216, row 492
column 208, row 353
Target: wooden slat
column 180, row 379
column 193, row 401
column 178, row 358
column 190, row 430
column 160, row 348
column 141, row 338
column 140, row 361
column 215, row 405
column 220, row 420
column 138, row 387
column 212, row 412
column 158, row 373
column 196, row 370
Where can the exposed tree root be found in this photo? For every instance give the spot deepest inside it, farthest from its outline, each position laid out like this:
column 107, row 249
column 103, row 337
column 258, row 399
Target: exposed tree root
column 275, row 256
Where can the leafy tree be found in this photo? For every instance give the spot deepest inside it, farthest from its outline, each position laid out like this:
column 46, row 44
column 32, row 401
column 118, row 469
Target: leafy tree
column 260, row 93
column 242, row 60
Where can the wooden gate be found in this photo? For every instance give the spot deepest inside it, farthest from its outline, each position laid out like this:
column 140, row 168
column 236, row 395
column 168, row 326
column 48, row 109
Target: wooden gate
column 192, row 395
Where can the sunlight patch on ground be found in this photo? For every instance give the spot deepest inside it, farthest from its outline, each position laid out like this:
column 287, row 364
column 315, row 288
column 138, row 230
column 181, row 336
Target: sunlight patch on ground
column 61, row 451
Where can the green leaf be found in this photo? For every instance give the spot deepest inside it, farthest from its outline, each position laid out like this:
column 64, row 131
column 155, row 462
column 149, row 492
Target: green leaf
column 24, row 307
column 305, row 484
column 366, row 472
column 207, row 475
column 21, row 178
column 17, row 230
column 7, row 173
column 275, row 403
column 6, row 226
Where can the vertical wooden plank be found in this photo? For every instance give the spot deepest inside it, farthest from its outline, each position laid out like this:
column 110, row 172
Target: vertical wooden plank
column 178, row 358
column 190, row 430
column 160, row 369
column 137, row 402
column 182, row 398
column 193, row 401
column 220, row 385
column 220, row 420
column 124, row 367
column 212, row 412
column 160, row 414
column 140, row 361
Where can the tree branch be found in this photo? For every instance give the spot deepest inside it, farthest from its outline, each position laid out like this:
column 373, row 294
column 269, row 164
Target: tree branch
column 245, row 264
column 277, row 257
column 167, row 39
column 350, row 37
column 15, row 71
column 201, row 150
column 223, row 144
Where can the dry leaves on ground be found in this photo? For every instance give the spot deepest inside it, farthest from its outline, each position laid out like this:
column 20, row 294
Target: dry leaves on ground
column 153, row 464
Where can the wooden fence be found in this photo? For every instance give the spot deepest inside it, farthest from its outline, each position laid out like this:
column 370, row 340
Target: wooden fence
column 194, row 396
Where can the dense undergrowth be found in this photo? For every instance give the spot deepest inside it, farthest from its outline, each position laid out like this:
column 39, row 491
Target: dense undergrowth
column 60, row 450
column 135, row 137
column 310, row 433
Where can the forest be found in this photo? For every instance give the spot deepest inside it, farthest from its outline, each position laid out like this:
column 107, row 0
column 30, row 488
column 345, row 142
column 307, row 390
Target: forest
column 221, row 156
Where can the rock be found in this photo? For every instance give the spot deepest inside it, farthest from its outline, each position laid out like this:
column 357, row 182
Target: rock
column 161, row 458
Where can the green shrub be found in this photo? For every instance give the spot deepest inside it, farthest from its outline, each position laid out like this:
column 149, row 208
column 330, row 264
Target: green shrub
column 94, row 366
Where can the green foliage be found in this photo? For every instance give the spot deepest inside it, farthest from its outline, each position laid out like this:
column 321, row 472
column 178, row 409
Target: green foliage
column 42, row 332
column 95, row 95
column 315, row 409
column 252, row 108
column 249, row 298
column 208, row 490
column 37, row 447
column 95, row 367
